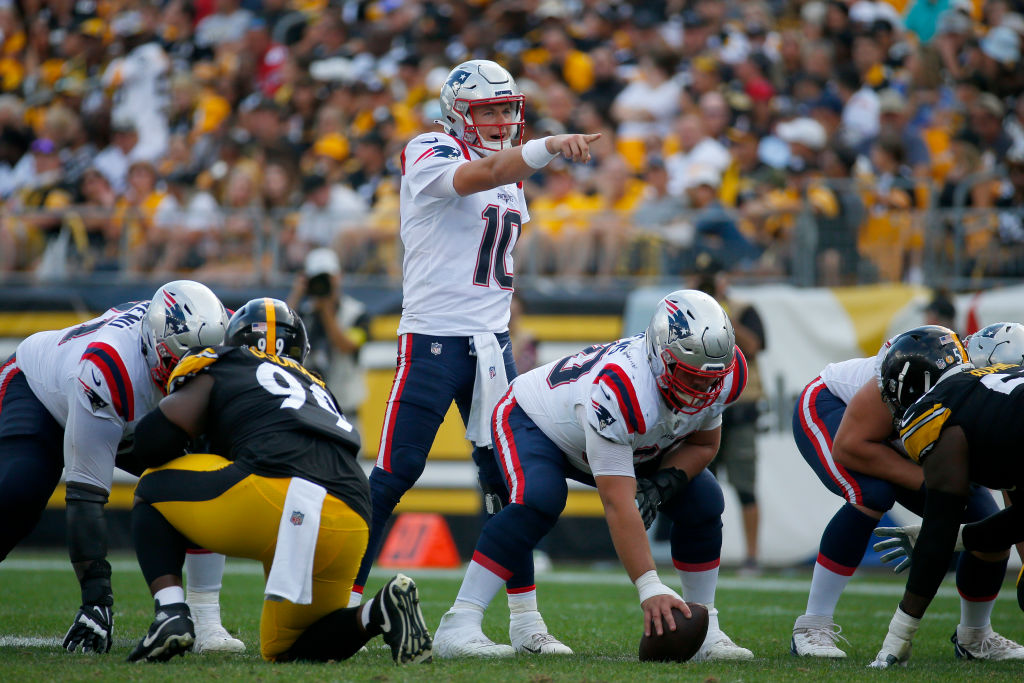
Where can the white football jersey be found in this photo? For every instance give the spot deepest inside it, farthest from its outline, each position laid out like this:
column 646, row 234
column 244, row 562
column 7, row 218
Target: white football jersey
column 620, row 398
column 457, row 269
column 95, row 382
column 844, row 379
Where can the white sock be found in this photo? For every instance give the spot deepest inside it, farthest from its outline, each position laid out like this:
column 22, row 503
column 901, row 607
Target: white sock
column 204, row 572
column 699, row 586
column 519, row 603
column 355, row 599
column 826, row 589
column 975, row 614
column 364, row 614
column 479, row 586
column 169, row 595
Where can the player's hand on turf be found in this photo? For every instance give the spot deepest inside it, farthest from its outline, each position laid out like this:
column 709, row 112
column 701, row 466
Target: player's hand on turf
column 572, row 146
column 658, row 608
column 899, row 543
column 92, row 630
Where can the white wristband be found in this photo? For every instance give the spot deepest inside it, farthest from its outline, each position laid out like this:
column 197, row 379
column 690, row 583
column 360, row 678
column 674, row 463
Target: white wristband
column 536, row 154
column 649, row 585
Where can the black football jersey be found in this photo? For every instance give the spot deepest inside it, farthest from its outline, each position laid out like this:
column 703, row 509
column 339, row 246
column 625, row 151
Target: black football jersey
column 274, row 418
column 988, row 404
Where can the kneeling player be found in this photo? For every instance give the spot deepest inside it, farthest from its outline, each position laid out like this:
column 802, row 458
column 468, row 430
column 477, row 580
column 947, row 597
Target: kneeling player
column 288, row 492
column 640, row 419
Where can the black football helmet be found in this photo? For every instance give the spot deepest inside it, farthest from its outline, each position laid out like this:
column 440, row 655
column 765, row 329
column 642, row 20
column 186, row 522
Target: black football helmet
column 271, row 326
column 915, row 361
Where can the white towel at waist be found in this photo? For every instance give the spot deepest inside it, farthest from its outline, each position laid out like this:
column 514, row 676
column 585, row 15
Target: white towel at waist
column 488, row 389
column 291, row 573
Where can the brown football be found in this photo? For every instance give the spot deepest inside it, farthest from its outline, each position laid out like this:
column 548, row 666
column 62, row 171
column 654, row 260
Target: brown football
column 681, row 644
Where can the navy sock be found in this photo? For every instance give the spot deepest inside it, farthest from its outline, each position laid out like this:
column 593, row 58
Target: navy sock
column 845, row 539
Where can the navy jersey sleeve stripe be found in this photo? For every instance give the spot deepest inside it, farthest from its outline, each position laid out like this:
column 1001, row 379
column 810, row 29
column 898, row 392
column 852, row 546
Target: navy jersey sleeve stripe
column 105, row 358
column 615, row 378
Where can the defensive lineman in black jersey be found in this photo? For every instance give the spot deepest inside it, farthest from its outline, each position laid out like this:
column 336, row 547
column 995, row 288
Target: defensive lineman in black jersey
column 965, row 429
column 286, row 456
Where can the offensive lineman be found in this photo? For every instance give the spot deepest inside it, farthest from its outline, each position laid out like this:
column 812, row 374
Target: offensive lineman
column 844, row 431
column 462, row 210
column 286, row 474
column 963, row 429
column 640, row 419
column 69, row 400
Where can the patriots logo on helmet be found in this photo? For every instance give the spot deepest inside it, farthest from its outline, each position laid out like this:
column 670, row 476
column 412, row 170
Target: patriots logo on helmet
column 604, row 416
column 174, row 318
column 678, row 328
column 456, row 79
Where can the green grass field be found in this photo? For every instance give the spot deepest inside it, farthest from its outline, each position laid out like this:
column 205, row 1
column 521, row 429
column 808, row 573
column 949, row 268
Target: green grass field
column 593, row 611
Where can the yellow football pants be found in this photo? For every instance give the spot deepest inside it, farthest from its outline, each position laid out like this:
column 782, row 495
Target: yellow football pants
column 242, row 521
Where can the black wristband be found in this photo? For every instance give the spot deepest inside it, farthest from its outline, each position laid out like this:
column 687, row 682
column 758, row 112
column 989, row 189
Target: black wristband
column 158, row 440
column 95, row 583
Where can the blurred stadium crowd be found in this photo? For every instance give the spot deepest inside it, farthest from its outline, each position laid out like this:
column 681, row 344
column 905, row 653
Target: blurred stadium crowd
column 829, row 142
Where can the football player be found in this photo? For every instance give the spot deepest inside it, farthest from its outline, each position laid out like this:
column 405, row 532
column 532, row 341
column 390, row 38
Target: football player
column 640, row 419
column 462, row 209
column 70, row 400
column 279, row 433
column 962, row 428
column 844, row 431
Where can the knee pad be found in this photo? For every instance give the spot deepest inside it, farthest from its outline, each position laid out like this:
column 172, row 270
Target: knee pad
column 701, row 503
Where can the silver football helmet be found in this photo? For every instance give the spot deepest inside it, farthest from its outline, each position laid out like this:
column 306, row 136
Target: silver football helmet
column 691, row 349
column 997, row 343
column 182, row 314
column 475, row 83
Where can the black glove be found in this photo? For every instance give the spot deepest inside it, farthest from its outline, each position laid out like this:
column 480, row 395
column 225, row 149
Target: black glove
column 92, row 629
column 652, row 493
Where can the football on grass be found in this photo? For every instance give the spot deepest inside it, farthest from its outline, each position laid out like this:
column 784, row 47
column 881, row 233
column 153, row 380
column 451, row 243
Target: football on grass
column 678, row 645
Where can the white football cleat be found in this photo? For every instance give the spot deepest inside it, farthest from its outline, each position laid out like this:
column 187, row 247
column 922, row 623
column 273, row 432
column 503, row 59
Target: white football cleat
column 529, row 635
column 984, row 643
column 816, row 636
column 719, row 647
column 211, row 636
column 215, row 638
column 460, row 635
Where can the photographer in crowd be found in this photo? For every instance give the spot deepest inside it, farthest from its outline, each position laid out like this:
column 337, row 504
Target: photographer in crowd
column 337, row 325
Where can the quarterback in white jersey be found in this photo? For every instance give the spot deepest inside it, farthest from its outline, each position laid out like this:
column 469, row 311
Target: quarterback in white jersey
column 70, row 399
column 462, row 210
column 639, row 419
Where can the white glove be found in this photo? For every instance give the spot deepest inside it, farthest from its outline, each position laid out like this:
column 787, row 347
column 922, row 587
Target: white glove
column 900, row 544
column 896, row 646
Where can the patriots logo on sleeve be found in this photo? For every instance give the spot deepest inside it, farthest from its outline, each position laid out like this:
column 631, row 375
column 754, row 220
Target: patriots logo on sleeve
column 440, row 151
column 604, row 416
column 95, row 399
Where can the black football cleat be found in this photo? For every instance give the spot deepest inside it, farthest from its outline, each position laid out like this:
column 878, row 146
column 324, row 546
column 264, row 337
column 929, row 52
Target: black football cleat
column 171, row 633
column 396, row 609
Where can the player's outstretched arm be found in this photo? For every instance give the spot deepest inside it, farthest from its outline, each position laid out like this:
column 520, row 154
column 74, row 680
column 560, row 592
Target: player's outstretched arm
column 519, row 163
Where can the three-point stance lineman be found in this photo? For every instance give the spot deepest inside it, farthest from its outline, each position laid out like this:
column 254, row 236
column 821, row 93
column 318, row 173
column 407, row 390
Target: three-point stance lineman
column 285, row 489
column 640, row 419
column 70, row 400
column 462, row 210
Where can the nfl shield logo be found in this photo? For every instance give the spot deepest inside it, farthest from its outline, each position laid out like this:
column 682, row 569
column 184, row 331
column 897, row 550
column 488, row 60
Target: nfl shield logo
column 435, row 348
column 297, row 518
column 491, row 371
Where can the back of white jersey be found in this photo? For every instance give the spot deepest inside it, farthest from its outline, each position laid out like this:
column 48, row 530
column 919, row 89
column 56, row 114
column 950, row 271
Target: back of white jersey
column 844, row 379
column 94, row 380
column 614, row 384
column 457, row 269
